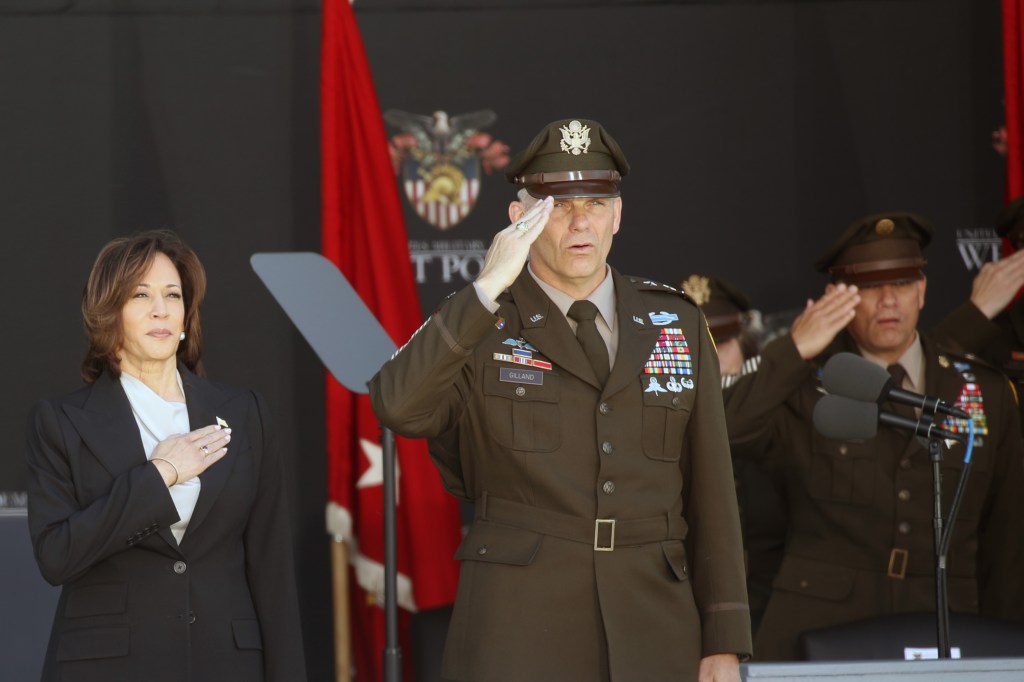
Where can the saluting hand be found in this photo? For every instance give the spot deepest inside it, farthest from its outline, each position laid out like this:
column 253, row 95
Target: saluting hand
column 511, row 247
column 719, row 668
column 997, row 283
column 184, row 456
column 821, row 320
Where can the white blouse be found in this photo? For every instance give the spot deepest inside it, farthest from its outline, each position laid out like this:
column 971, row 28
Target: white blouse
column 159, row 419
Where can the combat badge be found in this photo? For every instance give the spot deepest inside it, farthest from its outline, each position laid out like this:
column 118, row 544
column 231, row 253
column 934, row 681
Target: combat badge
column 663, row 318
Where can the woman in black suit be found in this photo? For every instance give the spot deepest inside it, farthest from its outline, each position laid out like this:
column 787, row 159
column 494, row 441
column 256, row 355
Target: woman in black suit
column 156, row 496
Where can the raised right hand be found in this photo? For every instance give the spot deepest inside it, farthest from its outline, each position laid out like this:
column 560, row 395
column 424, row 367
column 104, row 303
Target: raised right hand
column 186, row 454
column 997, row 283
column 511, row 247
column 821, row 320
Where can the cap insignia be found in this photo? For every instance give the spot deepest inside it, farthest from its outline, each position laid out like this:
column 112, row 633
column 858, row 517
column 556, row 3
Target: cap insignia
column 698, row 288
column 884, row 227
column 575, row 138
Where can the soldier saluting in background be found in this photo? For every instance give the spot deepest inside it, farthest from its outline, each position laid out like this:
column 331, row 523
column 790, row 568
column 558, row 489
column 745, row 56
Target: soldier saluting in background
column 860, row 540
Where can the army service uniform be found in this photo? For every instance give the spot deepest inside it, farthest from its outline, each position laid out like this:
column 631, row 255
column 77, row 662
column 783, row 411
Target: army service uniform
column 860, row 535
column 606, row 543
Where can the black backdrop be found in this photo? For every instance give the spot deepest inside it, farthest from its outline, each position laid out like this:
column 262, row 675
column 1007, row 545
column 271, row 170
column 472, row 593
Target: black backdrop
column 756, row 131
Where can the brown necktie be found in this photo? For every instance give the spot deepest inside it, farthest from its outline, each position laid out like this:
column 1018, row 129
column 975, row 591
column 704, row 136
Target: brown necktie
column 584, row 312
column 898, row 374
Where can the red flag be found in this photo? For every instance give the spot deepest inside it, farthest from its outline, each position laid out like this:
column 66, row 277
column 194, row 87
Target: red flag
column 364, row 235
column 1013, row 95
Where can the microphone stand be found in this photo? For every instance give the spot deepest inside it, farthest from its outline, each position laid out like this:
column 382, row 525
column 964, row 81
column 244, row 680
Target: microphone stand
column 941, row 578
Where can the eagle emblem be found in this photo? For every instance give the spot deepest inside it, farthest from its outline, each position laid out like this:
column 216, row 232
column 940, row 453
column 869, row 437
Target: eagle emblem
column 575, row 138
column 440, row 157
column 698, row 288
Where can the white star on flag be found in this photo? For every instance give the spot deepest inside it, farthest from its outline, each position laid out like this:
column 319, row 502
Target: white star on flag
column 375, row 474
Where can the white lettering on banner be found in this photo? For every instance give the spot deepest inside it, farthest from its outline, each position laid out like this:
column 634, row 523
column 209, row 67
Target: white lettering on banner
column 977, row 247
column 446, row 261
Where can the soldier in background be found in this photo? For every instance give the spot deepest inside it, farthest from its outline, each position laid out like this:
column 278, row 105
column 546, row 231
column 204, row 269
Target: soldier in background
column 991, row 323
column 759, row 488
column 860, row 540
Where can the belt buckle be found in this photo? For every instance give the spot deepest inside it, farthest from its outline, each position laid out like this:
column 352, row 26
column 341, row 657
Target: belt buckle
column 610, row 547
column 902, row 557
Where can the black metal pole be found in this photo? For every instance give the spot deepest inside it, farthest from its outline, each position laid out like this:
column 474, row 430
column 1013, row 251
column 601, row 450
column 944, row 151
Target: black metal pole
column 392, row 649
column 941, row 588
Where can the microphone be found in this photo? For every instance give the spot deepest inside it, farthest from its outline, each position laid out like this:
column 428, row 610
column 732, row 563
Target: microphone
column 844, row 418
column 852, row 376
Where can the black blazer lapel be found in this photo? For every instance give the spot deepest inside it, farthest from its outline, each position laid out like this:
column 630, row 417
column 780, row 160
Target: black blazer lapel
column 205, row 403
column 107, row 426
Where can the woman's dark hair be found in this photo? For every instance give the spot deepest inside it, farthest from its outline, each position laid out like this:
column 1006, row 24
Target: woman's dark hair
column 118, row 269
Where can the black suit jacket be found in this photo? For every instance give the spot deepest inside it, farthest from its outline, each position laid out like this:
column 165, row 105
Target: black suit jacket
column 135, row 605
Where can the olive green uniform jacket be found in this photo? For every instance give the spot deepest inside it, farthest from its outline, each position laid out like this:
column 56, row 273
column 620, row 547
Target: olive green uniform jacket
column 860, row 540
column 544, row 454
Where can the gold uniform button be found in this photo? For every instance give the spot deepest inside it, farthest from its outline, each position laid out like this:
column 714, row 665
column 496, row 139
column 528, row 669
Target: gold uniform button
column 520, row 391
column 904, row 495
column 604, row 408
column 904, row 464
column 904, row 528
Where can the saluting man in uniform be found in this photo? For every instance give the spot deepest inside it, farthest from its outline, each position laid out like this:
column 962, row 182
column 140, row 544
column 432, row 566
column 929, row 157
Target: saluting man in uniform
column 860, row 540
column 991, row 322
column 581, row 411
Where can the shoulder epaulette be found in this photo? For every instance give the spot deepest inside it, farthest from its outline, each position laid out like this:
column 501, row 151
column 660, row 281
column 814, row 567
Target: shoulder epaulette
column 958, row 356
column 650, row 285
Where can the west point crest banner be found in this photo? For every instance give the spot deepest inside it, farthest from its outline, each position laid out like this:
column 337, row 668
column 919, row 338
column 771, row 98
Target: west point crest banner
column 439, row 158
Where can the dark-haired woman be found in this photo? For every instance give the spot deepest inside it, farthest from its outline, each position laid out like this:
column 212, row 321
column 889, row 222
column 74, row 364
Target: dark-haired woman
column 156, row 496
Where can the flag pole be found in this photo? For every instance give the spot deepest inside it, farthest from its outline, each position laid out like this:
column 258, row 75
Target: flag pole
column 392, row 649
column 341, row 595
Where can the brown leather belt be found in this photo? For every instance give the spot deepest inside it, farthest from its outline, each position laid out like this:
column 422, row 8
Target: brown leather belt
column 603, row 534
